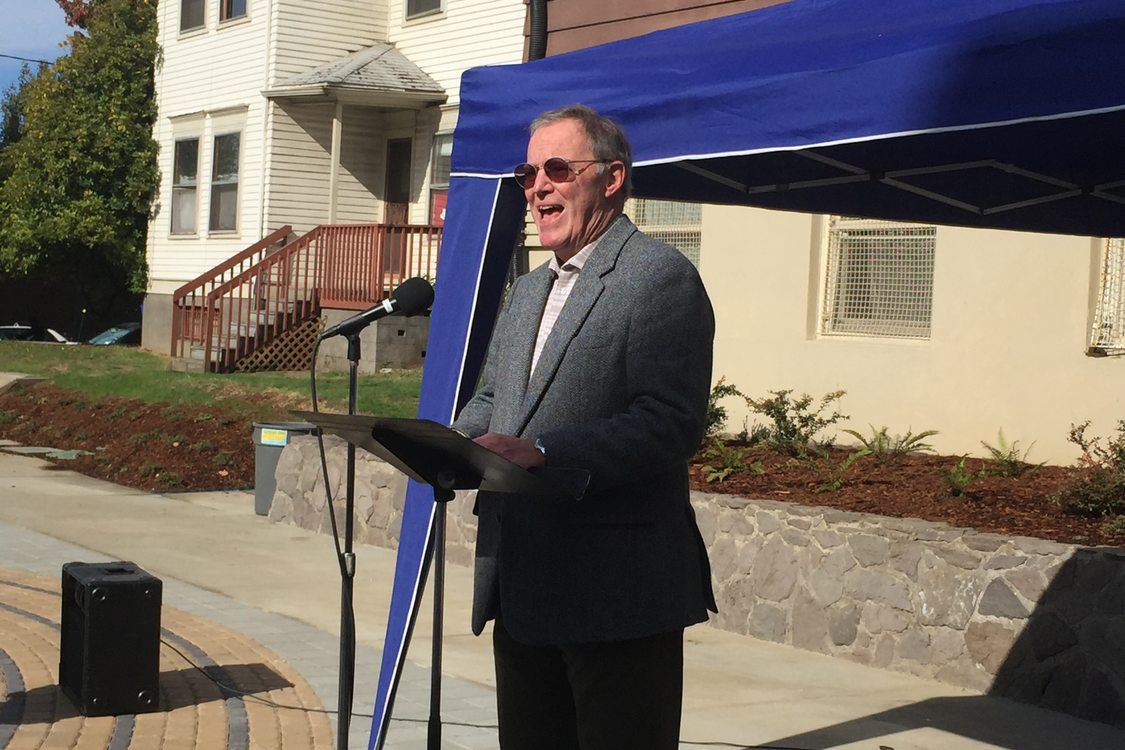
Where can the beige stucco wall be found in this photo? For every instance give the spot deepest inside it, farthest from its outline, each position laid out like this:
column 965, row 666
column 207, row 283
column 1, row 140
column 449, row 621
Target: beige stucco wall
column 1010, row 324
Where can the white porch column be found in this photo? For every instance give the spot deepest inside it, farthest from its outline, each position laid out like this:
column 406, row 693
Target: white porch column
column 334, row 168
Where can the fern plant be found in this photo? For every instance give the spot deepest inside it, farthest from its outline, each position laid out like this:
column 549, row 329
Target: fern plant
column 1007, row 457
column 887, row 448
column 958, row 477
column 724, row 461
column 839, row 473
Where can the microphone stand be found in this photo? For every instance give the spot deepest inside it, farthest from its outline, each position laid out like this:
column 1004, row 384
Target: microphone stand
column 347, row 567
column 442, row 497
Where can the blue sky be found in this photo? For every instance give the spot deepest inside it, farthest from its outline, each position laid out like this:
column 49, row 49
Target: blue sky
column 31, row 28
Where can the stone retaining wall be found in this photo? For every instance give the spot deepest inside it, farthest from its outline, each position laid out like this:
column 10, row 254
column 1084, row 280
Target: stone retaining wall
column 1031, row 620
column 379, row 493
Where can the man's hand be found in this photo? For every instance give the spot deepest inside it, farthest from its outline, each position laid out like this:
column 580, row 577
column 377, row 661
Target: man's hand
column 520, row 451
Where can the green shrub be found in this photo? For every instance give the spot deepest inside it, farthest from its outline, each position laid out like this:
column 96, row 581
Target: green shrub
column 716, row 413
column 151, row 470
column 887, row 448
column 1114, row 525
column 170, row 479
column 1108, row 453
column 1099, row 491
column 796, row 422
column 31, row 425
column 754, row 434
column 138, row 439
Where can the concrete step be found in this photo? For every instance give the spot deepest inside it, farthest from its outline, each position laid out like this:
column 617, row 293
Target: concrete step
column 188, row 364
column 197, row 353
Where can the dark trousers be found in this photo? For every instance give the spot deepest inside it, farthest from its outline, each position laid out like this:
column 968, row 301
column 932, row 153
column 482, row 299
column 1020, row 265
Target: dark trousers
column 617, row 695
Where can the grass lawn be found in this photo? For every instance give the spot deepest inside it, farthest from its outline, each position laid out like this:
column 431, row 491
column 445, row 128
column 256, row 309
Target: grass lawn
column 131, row 373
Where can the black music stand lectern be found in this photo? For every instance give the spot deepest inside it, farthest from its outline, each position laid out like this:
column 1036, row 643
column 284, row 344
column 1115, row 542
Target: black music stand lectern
column 446, row 460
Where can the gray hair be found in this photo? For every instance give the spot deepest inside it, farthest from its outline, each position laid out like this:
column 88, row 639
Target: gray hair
column 607, row 139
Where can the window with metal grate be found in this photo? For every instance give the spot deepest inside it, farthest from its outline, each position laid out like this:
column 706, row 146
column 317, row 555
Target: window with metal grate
column 879, row 279
column 678, row 224
column 1108, row 333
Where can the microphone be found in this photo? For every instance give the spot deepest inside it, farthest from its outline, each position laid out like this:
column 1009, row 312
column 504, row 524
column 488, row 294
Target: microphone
column 411, row 297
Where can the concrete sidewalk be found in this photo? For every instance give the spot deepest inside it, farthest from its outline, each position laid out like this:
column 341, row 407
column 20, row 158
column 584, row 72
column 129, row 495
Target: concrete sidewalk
column 279, row 586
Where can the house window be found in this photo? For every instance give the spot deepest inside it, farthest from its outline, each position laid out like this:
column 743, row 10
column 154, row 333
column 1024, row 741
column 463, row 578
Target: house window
column 224, row 183
column 416, row 8
column 185, row 182
column 442, row 162
column 879, row 278
column 1108, row 334
column 440, row 168
column 229, row 9
column 191, row 14
column 678, row 224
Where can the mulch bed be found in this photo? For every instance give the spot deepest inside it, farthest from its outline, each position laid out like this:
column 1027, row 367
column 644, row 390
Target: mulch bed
column 155, row 447
column 179, row 448
column 914, row 487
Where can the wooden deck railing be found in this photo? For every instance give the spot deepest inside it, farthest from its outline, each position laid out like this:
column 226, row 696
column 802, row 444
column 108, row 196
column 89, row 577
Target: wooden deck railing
column 226, row 314
column 188, row 300
column 363, row 263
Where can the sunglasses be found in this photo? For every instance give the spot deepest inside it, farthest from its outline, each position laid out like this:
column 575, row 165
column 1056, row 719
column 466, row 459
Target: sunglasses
column 556, row 168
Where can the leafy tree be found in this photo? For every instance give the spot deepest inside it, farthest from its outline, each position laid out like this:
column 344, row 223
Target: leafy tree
column 77, row 11
column 11, row 110
column 83, row 172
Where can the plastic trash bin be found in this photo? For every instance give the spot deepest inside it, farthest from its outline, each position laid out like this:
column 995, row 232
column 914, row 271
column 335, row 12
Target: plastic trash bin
column 270, row 438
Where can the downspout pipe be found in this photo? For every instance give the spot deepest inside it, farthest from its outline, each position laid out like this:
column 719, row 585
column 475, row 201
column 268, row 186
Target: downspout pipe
column 537, row 23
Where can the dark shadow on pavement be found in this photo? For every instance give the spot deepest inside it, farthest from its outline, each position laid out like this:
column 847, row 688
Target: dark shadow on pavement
column 178, row 688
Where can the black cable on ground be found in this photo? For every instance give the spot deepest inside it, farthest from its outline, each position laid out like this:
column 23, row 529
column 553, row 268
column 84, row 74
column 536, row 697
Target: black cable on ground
column 307, row 709
column 347, row 605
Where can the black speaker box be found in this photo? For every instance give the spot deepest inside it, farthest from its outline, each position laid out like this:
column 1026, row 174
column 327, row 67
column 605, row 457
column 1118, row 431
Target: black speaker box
column 109, row 655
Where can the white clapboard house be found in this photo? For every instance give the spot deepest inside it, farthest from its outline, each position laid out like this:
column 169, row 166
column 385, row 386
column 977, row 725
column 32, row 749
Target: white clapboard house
column 304, row 153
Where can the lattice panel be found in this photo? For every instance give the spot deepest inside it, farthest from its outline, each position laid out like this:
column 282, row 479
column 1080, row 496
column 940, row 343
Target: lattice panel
column 291, row 350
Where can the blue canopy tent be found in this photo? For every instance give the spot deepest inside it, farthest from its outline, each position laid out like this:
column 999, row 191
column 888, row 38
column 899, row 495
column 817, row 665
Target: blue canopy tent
column 989, row 113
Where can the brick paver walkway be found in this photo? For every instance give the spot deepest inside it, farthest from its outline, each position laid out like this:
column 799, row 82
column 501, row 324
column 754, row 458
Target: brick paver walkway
column 269, row 705
column 212, row 630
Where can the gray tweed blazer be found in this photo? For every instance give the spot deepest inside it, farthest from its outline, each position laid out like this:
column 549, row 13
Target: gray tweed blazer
column 620, row 390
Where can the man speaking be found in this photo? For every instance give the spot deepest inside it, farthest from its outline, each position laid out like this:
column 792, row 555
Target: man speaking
column 600, row 360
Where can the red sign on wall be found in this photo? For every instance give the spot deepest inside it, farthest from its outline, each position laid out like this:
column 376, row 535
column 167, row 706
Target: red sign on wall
column 437, row 206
